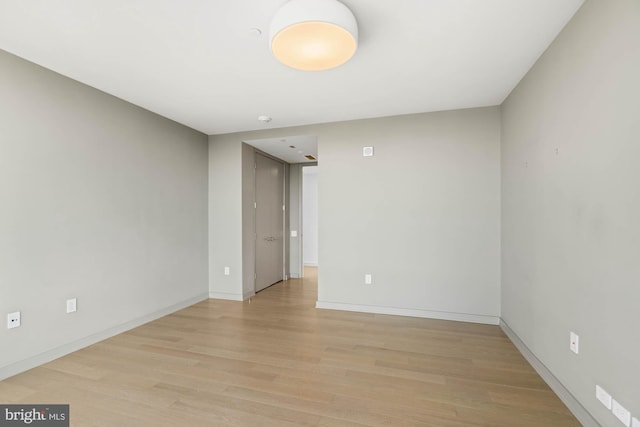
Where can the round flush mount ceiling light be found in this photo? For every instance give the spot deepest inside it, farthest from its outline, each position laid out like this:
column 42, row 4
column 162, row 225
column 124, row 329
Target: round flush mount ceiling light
column 313, row 35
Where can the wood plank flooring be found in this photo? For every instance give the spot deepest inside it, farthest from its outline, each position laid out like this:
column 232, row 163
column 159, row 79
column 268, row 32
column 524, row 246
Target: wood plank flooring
column 278, row 361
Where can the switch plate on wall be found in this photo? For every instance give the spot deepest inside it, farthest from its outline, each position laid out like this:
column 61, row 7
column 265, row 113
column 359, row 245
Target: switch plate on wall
column 72, row 305
column 13, row 320
column 227, row 271
column 294, row 233
column 367, row 279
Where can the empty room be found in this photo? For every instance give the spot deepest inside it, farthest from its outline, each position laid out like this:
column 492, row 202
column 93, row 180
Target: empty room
column 320, row 212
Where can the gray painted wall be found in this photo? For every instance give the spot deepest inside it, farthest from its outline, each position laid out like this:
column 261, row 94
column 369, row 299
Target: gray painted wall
column 571, row 205
column 225, row 217
column 295, row 220
column 310, row 215
column 422, row 216
column 248, row 220
column 99, row 200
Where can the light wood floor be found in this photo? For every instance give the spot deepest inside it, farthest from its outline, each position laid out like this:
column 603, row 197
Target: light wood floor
column 278, row 361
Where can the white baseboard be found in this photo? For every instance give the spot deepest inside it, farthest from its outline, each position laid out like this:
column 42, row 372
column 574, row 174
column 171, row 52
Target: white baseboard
column 48, row 356
column 430, row 314
column 585, row 418
column 224, row 295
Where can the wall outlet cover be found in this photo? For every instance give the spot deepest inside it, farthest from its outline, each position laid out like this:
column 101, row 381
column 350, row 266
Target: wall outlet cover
column 13, row 320
column 574, row 342
column 621, row 413
column 603, row 397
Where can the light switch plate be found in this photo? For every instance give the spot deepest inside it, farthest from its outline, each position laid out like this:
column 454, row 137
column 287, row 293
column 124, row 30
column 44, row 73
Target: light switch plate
column 621, row 413
column 72, row 305
column 294, row 233
column 368, row 279
column 603, row 397
column 227, row 271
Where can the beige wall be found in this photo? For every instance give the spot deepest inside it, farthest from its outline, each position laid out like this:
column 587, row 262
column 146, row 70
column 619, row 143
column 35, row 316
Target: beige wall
column 422, row 216
column 99, row 200
column 225, row 217
column 571, row 206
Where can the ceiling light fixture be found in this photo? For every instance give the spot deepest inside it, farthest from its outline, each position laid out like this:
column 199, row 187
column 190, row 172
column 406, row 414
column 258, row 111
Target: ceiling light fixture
column 313, row 35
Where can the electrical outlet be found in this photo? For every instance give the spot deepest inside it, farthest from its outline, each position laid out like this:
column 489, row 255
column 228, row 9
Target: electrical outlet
column 72, row 305
column 621, row 413
column 635, row 422
column 227, row 271
column 367, row 279
column 603, row 397
column 13, row 320
column 574, row 341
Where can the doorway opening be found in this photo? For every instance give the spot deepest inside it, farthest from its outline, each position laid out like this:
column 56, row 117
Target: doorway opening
column 265, row 248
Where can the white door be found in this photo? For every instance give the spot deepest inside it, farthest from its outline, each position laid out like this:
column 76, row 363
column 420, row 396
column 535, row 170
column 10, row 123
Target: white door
column 269, row 222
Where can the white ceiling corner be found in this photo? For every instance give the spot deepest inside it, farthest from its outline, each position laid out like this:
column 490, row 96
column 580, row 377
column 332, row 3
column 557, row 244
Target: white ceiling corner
column 196, row 61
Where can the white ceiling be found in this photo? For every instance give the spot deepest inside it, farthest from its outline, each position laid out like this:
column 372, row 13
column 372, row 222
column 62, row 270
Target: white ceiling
column 197, row 62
